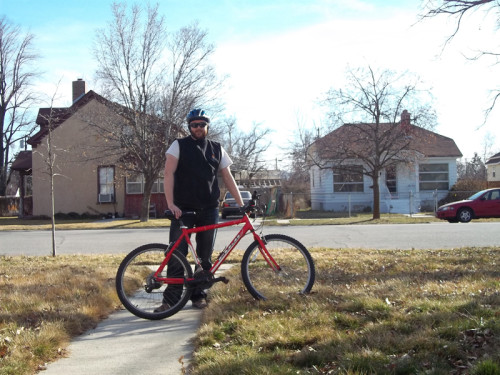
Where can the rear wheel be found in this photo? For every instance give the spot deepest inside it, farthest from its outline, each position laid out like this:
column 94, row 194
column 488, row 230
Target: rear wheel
column 141, row 293
column 465, row 215
column 296, row 272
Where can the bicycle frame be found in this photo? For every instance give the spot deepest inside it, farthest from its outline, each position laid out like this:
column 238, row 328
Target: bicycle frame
column 247, row 227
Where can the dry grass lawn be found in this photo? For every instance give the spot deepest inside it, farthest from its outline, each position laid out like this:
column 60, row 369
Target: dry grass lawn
column 371, row 312
column 45, row 301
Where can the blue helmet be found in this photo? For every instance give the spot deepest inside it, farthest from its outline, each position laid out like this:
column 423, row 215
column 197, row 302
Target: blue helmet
column 197, row 114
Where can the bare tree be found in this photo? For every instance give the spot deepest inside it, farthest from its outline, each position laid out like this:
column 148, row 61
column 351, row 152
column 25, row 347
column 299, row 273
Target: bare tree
column 190, row 78
column 487, row 145
column 377, row 140
column 297, row 152
column 245, row 148
column 155, row 78
column 460, row 9
column 473, row 169
column 49, row 154
column 17, row 74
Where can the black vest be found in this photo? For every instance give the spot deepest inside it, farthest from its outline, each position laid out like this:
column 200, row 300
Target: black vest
column 195, row 179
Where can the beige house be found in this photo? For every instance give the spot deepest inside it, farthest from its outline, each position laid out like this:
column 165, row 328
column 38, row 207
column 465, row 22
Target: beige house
column 493, row 171
column 85, row 181
column 82, row 183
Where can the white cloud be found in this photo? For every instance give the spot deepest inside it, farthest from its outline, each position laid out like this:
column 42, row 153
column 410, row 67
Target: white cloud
column 274, row 77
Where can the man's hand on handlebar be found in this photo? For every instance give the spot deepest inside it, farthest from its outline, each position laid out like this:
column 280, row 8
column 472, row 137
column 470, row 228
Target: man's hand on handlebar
column 176, row 211
column 249, row 207
column 251, row 204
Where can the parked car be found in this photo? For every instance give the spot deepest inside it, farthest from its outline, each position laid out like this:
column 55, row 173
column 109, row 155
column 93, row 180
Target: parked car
column 229, row 205
column 483, row 204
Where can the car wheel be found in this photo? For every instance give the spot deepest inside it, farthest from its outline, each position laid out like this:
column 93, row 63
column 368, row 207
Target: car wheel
column 465, row 215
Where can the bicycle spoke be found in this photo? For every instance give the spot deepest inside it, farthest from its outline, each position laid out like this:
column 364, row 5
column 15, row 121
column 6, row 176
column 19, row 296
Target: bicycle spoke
column 296, row 269
column 141, row 293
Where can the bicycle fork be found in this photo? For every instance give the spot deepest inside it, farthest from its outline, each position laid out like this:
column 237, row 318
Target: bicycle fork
column 266, row 255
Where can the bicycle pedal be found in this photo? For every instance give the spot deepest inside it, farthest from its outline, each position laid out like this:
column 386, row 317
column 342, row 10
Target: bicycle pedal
column 223, row 279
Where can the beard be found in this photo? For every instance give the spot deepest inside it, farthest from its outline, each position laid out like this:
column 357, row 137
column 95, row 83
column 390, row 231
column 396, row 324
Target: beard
column 198, row 133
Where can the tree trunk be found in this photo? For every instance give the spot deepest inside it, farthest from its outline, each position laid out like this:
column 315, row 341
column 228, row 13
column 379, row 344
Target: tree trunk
column 52, row 196
column 376, row 196
column 146, row 198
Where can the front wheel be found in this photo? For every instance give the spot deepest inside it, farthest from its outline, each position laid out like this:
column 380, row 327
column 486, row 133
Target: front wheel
column 465, row 215
column 141, row 293
column 295, row 274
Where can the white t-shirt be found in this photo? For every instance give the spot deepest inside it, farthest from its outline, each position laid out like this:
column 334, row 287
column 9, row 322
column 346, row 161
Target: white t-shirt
column 225, row 160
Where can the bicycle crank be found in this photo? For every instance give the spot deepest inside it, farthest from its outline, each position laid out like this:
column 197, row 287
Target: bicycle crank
column 205, row 280
column 151, row 284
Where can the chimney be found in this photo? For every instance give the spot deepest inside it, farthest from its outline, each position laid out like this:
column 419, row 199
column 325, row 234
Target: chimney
column 79, row 89
column 405, row 121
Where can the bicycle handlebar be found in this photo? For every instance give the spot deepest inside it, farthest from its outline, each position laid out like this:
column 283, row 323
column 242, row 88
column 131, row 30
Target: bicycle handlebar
column 170, row 215
column 247, row 208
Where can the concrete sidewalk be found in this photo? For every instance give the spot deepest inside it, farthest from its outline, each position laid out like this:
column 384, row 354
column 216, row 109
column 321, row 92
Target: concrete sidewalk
column 124, row 344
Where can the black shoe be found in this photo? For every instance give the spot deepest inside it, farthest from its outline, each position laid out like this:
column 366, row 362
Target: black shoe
column 200, row 303
column 164, row 307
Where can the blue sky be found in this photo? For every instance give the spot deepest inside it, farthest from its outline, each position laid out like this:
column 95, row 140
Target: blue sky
column 282, row 55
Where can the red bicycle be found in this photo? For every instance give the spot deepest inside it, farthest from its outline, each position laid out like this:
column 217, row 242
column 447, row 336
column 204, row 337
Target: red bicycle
column 274, row 266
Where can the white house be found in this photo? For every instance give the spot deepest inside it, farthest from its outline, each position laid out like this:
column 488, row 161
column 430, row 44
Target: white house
column 406, row 187
column 493, row 171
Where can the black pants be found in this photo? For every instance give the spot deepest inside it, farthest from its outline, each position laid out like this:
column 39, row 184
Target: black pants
column 204, row 249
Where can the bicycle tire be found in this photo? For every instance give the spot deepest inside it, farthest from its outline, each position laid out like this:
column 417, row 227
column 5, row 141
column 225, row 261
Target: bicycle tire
column 296, row 274
column 143, row 262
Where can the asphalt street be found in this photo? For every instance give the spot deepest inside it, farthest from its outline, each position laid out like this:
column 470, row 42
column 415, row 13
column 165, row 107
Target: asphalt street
column 385, row 236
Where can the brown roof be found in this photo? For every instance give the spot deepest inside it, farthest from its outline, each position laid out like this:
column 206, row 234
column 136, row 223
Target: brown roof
column 22, row 162
column 434, row 145
column 59, row 115
column 350, row 137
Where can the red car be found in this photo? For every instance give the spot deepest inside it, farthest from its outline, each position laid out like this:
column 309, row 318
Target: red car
column 485, row 203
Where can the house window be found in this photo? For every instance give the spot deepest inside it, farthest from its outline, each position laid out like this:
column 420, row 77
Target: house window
column 106, row 177
column 158, row 186
column 433, row 177
column 348, row 180
column 135, row 185
column 390, row 179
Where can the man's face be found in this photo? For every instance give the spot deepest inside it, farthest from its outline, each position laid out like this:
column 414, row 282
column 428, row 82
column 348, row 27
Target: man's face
column 197, row 131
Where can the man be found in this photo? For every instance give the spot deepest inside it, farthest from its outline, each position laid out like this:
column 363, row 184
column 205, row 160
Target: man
column 191, row 184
